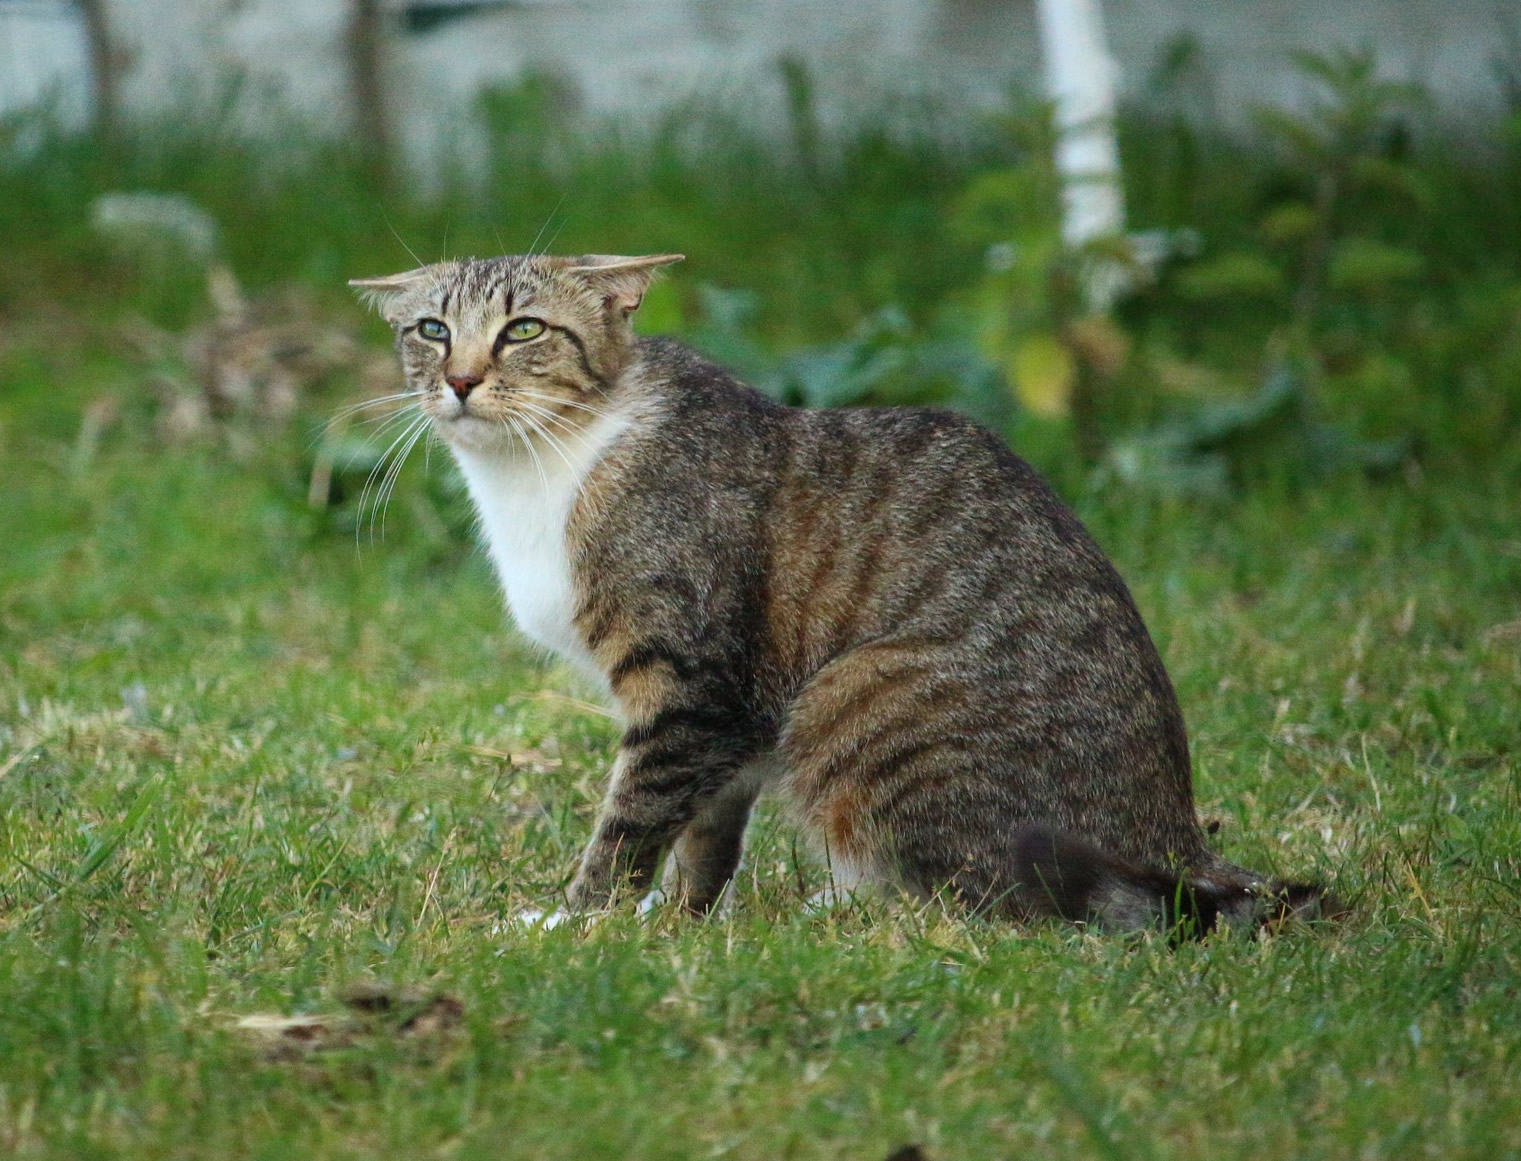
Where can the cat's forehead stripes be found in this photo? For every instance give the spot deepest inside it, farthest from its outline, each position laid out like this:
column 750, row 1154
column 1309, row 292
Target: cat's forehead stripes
column 482, row 283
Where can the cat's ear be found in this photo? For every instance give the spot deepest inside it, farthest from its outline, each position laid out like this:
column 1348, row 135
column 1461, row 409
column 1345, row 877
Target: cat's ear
column 621, row 281
column 381, row 293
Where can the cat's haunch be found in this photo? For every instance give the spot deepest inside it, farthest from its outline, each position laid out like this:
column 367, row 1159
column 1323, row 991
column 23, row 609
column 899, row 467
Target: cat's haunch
column 883, row 616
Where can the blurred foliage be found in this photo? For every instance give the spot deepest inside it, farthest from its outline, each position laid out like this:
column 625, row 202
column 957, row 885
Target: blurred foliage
column 885, row 361
column 1335, row 289
column 1354, row 306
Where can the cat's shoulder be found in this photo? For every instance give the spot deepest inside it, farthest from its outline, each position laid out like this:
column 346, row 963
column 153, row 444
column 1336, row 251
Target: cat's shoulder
column 690, row 382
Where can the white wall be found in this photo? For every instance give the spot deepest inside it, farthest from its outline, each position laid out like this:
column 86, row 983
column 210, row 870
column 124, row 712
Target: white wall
column 626, row 56
column 1447, row 45
column 282, row 55
column 44, row 60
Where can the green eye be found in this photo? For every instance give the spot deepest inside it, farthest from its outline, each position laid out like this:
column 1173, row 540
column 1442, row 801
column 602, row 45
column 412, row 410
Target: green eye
column 431, row 328
column 523, row 329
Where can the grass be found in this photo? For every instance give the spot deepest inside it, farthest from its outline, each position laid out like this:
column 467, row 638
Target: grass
column 844, row 235
column 248, row 763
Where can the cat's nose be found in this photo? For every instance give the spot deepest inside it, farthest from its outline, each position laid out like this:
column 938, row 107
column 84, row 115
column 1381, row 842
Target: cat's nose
column 463, row 384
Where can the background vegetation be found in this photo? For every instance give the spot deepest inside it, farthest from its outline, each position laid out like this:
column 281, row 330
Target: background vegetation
column 255, row 759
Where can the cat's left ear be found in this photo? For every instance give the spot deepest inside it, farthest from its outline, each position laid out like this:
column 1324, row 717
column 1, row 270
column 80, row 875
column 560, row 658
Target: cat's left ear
column 621, row 281
column 382, row 292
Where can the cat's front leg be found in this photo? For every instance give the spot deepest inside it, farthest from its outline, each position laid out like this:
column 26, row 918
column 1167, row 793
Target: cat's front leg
column 633, row 830
column 662, row 780
column 707, row 852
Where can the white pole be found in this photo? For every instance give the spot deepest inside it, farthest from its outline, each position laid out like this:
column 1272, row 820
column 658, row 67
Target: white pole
column 1080, row 80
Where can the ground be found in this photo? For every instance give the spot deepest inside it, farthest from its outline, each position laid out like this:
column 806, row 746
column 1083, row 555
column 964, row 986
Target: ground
column 250, row 763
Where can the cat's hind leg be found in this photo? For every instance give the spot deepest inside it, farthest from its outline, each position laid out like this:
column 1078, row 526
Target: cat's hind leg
column 873, row 727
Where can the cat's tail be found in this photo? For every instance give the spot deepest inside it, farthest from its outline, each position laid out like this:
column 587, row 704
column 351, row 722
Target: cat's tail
column 1062, row 874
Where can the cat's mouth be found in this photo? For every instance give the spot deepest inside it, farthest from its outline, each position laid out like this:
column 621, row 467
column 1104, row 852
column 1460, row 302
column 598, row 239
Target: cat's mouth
column 465, row 422
column 449, row 407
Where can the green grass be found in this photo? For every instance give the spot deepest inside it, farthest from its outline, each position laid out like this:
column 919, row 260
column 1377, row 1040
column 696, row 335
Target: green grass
column 248, row 762
column 845, row 235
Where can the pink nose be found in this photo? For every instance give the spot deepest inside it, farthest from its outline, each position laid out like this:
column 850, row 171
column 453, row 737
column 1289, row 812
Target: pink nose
column 463, row 384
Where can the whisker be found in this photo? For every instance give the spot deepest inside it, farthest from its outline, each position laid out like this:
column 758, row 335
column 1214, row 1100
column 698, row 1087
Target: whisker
column 525, row 399
column 528, row 444
column 369, row 479
column 564, row 428
column 558, row 442
column 401, row 460
column 527, row 439
column 375, row 482
column 532, row 403
column 388, row 423
column 549, row 438
column 388, row 485
column 558, row 228
column 527, row 394
column 383, row 420
column 435, row 280
column 364, row 405
column 570, row 430
column 533, row 246
column 411, row 253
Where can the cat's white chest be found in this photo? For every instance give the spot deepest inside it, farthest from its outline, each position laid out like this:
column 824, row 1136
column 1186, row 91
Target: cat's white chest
column 523, row 507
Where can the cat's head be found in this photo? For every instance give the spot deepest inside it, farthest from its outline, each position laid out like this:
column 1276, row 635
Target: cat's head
column 500, row 349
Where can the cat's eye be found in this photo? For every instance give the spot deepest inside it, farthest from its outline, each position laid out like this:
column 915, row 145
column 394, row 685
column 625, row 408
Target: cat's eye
column 523, row 329
column 431, row 328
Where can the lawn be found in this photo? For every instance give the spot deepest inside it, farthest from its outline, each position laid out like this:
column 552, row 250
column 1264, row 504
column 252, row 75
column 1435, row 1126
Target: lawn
column 275, row 772
column 252, row 764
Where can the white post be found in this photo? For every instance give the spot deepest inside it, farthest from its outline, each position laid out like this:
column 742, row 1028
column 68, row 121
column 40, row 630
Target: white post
column 1080, row 80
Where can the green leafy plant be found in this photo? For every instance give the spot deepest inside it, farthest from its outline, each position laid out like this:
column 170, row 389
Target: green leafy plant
column 1331, row 262
column 885, row 361
column 1349, row 146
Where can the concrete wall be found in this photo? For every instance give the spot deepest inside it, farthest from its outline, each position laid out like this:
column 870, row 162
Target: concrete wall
column 623, row 57
column 44, row 60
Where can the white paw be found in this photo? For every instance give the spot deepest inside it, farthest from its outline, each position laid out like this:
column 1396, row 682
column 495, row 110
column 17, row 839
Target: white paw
column 655, row 899
column 542, row 920
column 829, row 898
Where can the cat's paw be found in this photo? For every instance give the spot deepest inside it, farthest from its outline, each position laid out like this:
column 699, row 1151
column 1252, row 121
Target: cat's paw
column 655, row 900
column 544, row 920
column 533, row 919
column 830, row 899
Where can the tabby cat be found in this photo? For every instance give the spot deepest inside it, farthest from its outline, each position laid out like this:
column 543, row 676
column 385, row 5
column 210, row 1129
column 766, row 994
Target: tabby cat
column 882, row 616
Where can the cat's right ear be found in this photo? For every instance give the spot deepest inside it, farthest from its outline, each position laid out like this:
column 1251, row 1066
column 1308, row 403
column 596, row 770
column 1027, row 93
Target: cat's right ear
column 382, row 293
column 621, row 281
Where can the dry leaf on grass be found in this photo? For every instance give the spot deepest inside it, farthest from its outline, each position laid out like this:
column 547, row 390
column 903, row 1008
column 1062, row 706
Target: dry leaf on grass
column 295, row 1037
column 416, row 1013
column 372, row 1010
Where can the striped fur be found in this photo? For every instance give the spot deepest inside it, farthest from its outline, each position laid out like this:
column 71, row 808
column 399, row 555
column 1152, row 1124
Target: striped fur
column 883, row 616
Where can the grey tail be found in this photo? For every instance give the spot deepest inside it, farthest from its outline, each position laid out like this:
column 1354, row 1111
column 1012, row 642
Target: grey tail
column 1064, row 875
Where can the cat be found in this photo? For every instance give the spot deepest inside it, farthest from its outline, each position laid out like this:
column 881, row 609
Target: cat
column 883, row 616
